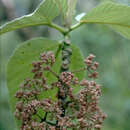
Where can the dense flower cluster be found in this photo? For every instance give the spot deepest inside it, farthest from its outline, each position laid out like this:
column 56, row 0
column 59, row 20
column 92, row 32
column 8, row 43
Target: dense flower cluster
column 78, row 111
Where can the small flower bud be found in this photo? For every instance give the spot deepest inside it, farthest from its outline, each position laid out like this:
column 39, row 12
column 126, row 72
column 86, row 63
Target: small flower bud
column 19, row 94
column 98, row 127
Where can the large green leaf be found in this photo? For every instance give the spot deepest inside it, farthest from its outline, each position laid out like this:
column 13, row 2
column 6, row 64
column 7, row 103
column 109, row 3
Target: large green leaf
column 115, row 15
column 43, row 15
column 20, row 64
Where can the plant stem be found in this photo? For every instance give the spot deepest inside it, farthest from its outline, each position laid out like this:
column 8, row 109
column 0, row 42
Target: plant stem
column 75, row 26
column 50, row 123
column 54, row 73
column 82, row 69
column 66, row 54
column 63, row 30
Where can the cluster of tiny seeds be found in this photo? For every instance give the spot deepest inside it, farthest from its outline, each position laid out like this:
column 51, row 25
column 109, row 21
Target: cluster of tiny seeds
column 67, row 78
column 48, row 58
column 81, row 109
column 92, row 66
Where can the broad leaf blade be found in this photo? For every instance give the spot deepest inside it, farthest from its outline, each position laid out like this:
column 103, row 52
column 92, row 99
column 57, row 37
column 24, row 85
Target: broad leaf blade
column 125, row 31
column 20, row 65
column 43, row 15
column 115, row 15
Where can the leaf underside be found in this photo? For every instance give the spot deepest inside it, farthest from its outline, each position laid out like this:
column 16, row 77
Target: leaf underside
column 43, row 15
column 20, row 65
column 116, row 16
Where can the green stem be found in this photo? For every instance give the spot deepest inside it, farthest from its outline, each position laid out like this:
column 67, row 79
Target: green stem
column 50, row 123
column 63, row 30
column 75, row 26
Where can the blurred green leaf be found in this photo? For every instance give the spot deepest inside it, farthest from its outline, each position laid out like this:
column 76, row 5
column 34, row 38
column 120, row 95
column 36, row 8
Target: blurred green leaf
column 62, row 6
column 43, row 15
column 115, row 15
column 20, row 64
column 71, row 4
column 67, row 8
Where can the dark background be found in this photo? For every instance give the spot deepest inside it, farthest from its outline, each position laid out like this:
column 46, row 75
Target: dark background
column 111, row 49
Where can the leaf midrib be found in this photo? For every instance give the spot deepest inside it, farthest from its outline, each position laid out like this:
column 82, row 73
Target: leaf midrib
column 118, row 24
column 24, row 26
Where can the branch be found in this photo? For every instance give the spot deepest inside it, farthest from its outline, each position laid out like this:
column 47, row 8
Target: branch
column 51, row 123
column 63, row 30
column 44, row 118
column 10, row 11
column 54, row 73
column 75, row 26
column 82, row 69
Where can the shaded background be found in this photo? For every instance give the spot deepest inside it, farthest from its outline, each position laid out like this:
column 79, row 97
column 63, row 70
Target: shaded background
column 111, row 49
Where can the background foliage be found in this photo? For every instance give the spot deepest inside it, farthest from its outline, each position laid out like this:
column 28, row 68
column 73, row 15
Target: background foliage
column 112, row 52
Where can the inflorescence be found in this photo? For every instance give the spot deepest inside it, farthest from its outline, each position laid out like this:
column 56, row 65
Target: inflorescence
column 81, row 110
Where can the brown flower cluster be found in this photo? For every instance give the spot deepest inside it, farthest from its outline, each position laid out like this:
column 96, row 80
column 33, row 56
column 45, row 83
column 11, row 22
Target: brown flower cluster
column 77, row 111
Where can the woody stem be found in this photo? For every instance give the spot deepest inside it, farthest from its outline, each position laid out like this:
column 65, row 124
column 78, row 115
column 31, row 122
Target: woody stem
column 66, row 54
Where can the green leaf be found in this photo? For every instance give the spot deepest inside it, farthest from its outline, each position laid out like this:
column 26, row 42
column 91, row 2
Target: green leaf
column 43, row 15
column 67, row 8
column 62, row 6
column 77, row 62
column 115, row 15
column 20, row 65
column 71, row 4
